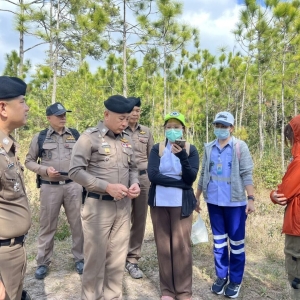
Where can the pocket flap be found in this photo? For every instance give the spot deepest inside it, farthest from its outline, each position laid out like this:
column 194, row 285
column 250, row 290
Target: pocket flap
column 49, row 146
column 10, row 174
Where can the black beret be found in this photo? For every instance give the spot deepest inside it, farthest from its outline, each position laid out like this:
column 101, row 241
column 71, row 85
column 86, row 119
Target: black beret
column 136, row 100
column 11, row 87
column 56, row 109
column 119, row 104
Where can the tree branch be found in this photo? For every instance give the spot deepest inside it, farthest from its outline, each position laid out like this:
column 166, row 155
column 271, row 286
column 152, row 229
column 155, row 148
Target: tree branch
column 8, row 11
column 35, row 46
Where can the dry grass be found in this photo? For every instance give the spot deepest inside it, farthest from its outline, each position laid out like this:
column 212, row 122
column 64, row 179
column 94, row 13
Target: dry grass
column 264, row 276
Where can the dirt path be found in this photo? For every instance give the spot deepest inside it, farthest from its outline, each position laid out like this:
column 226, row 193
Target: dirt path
column 63, row 283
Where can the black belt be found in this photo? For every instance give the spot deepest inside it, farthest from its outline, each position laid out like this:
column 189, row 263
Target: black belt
column 101, row 197
column 56, row 182
column 8, row 242
column 142, row 172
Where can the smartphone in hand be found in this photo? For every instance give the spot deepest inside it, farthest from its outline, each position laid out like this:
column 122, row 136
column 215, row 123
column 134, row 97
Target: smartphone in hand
column 180, row 143
column 63, row 173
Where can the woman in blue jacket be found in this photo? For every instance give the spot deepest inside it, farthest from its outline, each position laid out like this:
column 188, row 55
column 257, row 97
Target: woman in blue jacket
column 172, row 171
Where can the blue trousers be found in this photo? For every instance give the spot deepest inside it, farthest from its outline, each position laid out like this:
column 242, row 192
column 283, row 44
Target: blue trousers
column 228, row 222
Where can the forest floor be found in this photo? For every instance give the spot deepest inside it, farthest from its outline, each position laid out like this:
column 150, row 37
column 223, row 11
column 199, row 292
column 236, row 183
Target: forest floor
column 264, row 276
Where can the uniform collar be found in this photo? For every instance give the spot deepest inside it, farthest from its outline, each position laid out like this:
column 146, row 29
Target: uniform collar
column 105, row 131
column 51, row 130
column 6, row 142
column 230, row 143
column 102, row 128
column 137, row 126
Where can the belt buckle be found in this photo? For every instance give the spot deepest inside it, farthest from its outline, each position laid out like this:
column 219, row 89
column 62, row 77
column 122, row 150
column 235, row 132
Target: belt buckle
column 62, row 182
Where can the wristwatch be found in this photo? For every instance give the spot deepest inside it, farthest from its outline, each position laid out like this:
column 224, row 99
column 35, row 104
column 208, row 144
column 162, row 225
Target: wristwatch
column 251, row 197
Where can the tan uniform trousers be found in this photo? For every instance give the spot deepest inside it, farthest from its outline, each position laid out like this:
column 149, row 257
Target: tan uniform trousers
column 172, row 238
column 52, row 197
column 12, row 270
column 106, row 226
column 292, row 262
column 139, row 210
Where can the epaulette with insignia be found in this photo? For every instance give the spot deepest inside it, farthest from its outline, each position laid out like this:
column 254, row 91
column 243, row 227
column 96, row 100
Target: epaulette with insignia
column 91, row 129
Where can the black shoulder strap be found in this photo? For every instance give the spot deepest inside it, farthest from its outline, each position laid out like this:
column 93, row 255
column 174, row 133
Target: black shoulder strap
column 41, row 139
column 75, row 133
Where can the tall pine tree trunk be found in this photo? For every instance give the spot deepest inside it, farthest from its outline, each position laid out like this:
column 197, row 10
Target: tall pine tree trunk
column 282, row 111
column 124, row 51
column 260, row 115
column 55, row 62
column 21, row 37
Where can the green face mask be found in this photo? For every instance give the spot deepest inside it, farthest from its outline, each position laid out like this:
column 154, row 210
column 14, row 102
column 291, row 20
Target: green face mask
column 173, row 134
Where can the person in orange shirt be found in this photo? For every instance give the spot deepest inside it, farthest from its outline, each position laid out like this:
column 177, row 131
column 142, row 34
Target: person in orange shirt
column 288, row 194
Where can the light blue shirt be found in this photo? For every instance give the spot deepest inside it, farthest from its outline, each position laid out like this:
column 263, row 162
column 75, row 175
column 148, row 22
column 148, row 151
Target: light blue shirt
column 219, row 186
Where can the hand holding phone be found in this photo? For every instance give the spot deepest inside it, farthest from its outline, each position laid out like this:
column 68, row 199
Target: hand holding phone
column 180, row 143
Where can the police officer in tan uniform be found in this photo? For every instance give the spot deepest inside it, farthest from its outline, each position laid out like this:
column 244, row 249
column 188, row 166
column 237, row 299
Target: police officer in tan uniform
column 15, row 217
column 56, row 189
column 103, row 162
column 142, row 144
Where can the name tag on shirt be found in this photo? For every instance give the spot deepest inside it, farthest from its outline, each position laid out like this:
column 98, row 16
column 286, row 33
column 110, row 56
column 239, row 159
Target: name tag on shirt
column 219, row 169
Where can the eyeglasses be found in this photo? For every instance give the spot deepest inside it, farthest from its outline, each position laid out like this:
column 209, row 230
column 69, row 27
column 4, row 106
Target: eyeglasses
column 218, row 125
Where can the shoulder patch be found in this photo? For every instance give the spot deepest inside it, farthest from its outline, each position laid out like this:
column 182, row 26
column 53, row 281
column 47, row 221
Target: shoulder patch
column 91, row 129
column 144, row 128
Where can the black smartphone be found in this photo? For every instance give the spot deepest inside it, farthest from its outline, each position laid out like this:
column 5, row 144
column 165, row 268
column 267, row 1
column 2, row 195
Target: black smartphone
column 180, row 143
column 63, row 173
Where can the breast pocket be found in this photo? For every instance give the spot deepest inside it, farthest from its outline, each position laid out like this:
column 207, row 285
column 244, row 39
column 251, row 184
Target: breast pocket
column 12, row 184
column 50, row 151
column 126, row 156
column 228, row 160
column 143, row 139
column 106, row 158
column 142, row 143
column 68, row 149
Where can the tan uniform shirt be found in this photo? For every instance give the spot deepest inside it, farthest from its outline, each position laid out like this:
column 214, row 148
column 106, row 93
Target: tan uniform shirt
column 142, row 143
column 56, row 154
column 100, row 157
column 15, row 216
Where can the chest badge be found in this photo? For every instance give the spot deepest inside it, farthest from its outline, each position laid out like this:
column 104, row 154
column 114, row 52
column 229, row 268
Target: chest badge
column 124, row 140
column 142, row 132
column 126, row 145
column 105, row 145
